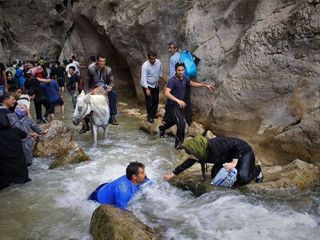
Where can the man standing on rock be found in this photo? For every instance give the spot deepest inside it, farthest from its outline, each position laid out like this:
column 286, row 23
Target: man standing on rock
column 100, row 81
column 175, row 92
column 151, row 73
column 120, row 191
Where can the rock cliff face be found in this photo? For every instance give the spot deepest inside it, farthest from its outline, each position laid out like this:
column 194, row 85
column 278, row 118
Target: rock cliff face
column 264, row 56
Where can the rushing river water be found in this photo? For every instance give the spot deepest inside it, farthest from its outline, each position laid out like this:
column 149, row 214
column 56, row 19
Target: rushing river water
column 54, row 205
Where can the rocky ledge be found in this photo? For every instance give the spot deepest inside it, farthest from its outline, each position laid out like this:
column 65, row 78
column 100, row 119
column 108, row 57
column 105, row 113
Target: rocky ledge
column 58, row 143
column 287, row 179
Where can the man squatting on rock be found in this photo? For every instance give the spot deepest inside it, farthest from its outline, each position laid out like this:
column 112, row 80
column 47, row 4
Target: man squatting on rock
column 223, row 152
column 100, row 81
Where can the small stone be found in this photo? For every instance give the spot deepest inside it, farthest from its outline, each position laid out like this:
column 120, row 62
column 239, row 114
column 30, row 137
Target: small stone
column 210, row 135
column 123, row 104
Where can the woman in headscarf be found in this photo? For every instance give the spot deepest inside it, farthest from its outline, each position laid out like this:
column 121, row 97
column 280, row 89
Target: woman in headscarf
column 224, row 152
column 13, row 168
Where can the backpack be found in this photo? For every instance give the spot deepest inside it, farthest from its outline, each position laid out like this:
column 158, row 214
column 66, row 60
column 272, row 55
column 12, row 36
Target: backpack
column 191, row 69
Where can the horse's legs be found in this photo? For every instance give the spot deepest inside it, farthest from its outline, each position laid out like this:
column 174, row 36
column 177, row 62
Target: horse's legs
column 91, row 126
column 94, row 130
column 106, row 130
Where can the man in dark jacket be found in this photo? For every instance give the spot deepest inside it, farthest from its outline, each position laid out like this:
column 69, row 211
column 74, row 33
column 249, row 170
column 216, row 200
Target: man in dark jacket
column 223, row 152
column 100, row 80
column 40, row 98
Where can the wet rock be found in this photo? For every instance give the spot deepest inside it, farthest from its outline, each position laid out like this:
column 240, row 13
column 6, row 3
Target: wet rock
column 152, row 128
column 134, row 112
column 195, row 129
column 109, row 223
column 58, row 142
column 295, row 176
column 73, row 154
column 122, row 104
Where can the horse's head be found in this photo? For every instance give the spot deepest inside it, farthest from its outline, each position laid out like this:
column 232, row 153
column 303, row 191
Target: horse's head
column 82, row 108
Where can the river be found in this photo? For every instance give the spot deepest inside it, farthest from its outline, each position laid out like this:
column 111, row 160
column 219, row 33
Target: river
column 54, row 205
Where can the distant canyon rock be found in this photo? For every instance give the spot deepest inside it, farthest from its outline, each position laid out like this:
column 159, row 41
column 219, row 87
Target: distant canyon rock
column 263, row 56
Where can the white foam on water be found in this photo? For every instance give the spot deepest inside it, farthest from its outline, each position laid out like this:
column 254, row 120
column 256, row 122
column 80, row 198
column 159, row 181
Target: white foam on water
column 213, row 216
column 54, row 205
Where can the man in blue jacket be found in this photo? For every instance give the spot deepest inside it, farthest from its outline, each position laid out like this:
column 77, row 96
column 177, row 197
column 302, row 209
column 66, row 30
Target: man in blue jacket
column 120, row 191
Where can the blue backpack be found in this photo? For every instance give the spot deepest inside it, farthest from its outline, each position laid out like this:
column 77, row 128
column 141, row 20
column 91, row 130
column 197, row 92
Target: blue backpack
column 188, row 60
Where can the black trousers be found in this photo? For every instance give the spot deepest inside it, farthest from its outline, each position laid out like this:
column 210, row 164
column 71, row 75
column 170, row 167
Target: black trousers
column 152, row 101
column 188, row 109
column 38, row 102
column 173, row 116
column 245, row 168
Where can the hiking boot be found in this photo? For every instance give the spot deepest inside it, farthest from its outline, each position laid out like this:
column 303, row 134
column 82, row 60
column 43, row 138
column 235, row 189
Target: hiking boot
column 113, row 120
column 258, row 173
column 161, row 131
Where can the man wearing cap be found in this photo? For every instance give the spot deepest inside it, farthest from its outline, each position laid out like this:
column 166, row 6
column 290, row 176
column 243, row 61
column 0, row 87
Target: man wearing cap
column 224, row 152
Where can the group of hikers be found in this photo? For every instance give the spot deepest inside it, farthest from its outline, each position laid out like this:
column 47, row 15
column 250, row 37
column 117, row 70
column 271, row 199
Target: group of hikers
column 233, row 158
column 44, row 83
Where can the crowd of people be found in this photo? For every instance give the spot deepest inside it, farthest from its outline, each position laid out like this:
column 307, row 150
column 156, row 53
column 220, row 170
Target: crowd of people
column 45, row 82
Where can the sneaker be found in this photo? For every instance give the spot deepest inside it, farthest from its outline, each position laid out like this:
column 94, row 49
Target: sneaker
column 150, row 120
column 39, row 121
column 178, row 146
column 161, row 131
column 259, row 175
column 44, row 120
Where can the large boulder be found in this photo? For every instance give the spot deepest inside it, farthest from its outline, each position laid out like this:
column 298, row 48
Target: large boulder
column 293, row 177
column 58, row 143
column 111, row 223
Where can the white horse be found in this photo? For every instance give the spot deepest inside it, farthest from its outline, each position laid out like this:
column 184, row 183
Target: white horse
column 98, row 105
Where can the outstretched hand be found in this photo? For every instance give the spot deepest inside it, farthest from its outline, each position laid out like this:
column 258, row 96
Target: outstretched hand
column 167, row 177
column 210, row 87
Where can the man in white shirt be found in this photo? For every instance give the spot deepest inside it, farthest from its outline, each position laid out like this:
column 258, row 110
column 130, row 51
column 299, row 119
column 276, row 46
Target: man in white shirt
column 75, row 62
column 151, row 73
